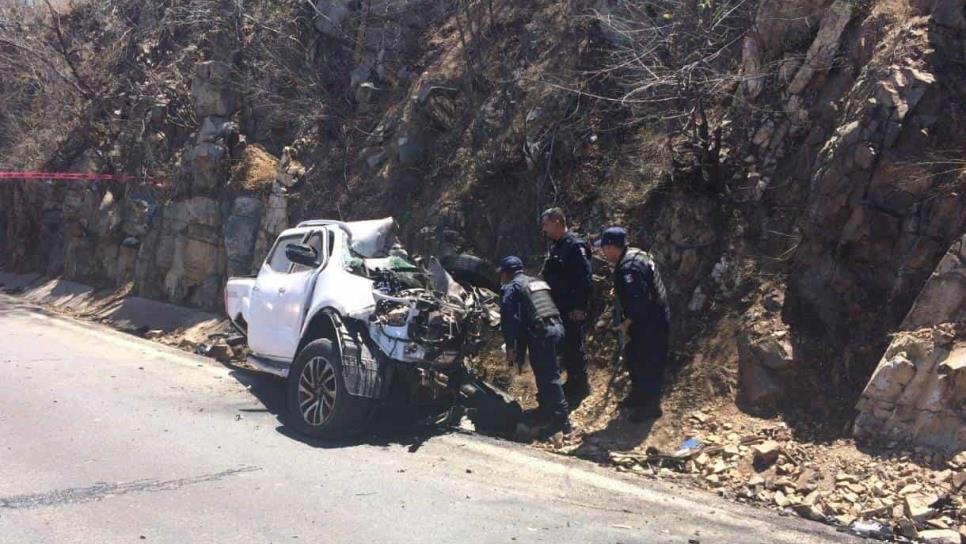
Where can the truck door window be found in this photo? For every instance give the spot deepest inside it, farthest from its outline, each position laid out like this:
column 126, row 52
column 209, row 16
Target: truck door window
column 277, row 261
column 314, row 240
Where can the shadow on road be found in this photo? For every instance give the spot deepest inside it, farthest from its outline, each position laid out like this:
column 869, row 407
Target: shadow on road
column 391, row 424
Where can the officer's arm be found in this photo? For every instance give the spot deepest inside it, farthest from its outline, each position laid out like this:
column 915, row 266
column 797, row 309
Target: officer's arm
column 635, row 289
column 580, row 276
column 510, row 318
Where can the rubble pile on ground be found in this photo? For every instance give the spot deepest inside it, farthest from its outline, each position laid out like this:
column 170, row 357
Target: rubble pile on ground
column 891, row 493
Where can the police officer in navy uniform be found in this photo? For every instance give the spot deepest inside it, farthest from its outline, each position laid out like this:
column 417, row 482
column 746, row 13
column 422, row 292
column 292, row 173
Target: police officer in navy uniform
column 568, row 272
column 646, row 321
column 530, row 322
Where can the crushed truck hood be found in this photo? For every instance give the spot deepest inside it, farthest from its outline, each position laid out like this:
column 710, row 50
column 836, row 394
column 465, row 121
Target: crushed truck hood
column 372, row 238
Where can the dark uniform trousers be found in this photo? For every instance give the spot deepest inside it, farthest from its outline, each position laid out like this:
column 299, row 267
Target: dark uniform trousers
column 573, row 355
column 646, row 356
column 546, row 373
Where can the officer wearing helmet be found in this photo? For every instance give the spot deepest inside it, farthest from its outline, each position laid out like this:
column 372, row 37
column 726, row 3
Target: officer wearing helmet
column 646, row 321
column 531, row 323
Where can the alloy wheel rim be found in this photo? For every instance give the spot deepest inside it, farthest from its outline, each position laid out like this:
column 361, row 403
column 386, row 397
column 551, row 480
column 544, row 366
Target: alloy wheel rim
column 317, row 391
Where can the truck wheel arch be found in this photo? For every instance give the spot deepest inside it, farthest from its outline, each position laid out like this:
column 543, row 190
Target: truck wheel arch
column 324, row 324
column 366, row 371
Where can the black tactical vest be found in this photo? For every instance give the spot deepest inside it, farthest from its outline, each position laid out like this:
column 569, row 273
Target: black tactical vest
column 537, row 294
column 643, row 263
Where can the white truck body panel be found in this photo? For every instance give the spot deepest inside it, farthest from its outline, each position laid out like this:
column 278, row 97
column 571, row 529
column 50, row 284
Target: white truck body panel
column 339, row 289
column 238, row 297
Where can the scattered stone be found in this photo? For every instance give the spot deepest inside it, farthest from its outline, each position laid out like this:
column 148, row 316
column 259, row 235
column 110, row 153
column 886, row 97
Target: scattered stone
column 879, row 511
column 917, row 506
column 907, row 528
column 845, row 477
column 702, row 460
column 941, row 523
column 844, row 519
column 811, row 498
column 940, row 536
column 855, row 488
column 807, row 480
column 811, row 512
column 780, row 499
column 958, row 480
column 220, row 352
column 909, row 489
column 701, row 417
column 850, row 497
column 766, row 453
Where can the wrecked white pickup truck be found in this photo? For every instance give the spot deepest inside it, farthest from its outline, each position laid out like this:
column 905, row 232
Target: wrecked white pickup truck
column 340, row 311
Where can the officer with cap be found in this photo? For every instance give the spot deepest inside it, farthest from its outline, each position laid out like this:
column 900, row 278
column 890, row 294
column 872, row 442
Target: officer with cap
column 531, row 323
column 568, row 272
column 646, row 321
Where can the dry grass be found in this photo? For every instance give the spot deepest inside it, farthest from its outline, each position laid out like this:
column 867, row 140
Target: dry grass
column 256, row 170
column 892, row 10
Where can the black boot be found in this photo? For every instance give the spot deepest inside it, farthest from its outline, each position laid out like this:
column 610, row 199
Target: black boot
column 646, row 412
column 633, row 401
column 557, row 425
column 576, row 390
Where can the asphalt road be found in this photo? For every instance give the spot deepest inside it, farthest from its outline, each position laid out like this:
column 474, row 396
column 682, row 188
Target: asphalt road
column 109, row 438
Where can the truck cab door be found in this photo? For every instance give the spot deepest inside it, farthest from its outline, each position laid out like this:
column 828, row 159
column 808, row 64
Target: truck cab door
column 267, row 310
column 296, row 294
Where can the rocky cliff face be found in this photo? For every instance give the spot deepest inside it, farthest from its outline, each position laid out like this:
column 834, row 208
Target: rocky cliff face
column 179, row 247
column 919, row 388
column 806, row 202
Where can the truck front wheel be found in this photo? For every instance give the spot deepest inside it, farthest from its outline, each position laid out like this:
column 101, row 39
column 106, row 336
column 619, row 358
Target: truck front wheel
column 318, row 401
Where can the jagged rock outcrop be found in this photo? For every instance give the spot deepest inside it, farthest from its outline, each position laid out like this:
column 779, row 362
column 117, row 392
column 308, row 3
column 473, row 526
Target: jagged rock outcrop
column 918, row 391
column 212, row 91
column 191, row 250
column 868, row 100
column 879, row 217
column 241, row 231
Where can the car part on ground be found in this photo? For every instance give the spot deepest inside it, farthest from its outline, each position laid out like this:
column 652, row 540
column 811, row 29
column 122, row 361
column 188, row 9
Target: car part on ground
column 492, row 410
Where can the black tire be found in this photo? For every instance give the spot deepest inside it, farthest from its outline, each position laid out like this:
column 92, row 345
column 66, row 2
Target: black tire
column 322, row 407
column 471, row 270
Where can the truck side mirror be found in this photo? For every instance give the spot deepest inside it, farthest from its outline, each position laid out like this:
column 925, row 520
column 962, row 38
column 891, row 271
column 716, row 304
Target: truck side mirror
column 302, row 254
